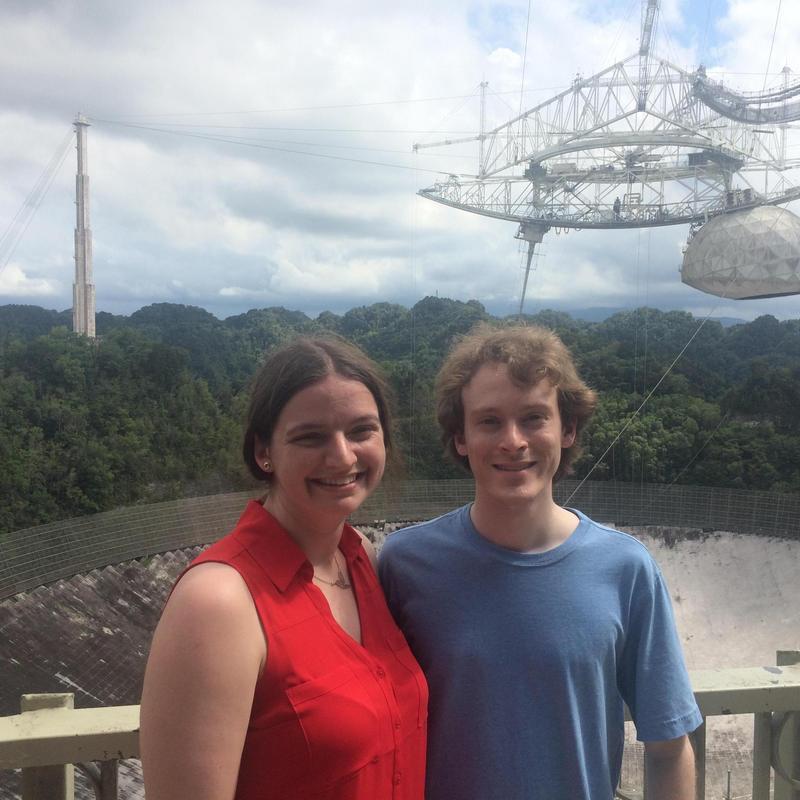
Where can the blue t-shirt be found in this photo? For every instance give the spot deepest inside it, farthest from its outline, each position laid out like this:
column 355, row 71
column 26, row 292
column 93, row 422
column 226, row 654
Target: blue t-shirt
column 529, row 657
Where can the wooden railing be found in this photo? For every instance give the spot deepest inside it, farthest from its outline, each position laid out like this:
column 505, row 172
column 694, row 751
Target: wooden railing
column 49, row 736
column 772, row 696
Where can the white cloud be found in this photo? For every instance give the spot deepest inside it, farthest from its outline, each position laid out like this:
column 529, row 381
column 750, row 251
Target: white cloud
column 14, row 282
column 505, row 58
column 292, row 207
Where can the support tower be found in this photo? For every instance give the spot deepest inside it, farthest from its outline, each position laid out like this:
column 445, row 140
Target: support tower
column 83, row 288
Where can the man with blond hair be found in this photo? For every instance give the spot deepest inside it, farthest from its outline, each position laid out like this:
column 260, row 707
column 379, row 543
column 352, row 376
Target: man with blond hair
column 533, row 623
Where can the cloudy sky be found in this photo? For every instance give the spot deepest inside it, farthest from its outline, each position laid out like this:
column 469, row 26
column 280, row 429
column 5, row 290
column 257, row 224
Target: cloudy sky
column 259, row 153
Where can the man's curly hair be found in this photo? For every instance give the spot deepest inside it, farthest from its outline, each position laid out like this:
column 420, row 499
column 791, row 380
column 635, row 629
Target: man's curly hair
column 532, row 353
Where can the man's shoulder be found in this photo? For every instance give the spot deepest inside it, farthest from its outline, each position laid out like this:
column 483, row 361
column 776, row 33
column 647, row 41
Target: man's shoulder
column 423, row 534
column 614, row 543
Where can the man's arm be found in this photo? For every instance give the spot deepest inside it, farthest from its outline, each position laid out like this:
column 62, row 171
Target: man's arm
column 670, row 769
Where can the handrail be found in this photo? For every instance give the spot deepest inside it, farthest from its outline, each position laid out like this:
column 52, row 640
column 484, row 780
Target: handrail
column 752, row 690
column 36, row 739
column 68, row 736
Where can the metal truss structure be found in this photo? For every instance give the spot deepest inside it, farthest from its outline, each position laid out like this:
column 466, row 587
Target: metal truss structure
column 564, row 162
column 642, row 143
column 776, row 106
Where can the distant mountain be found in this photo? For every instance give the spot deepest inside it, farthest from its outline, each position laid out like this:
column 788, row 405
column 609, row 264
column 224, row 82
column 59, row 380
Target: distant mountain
column 27, row 322
column 602, row 313
column 30, row 321
column 728, row 322
column 152, row 408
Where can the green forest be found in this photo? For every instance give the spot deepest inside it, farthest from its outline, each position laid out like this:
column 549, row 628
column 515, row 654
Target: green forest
column 151, row 410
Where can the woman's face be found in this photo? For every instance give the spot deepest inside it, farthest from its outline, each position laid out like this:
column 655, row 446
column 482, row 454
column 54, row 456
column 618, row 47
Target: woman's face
column 326, row 452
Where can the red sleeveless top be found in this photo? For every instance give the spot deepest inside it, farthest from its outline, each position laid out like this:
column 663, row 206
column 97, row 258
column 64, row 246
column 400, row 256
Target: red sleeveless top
column 332, row 719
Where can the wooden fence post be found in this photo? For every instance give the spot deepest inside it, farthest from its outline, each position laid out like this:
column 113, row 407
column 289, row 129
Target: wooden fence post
column 55, row 782
column 789, row 743
column 698, row 740
column 762, row 755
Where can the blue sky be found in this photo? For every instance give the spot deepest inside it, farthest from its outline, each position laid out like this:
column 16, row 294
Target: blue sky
column 311, row 202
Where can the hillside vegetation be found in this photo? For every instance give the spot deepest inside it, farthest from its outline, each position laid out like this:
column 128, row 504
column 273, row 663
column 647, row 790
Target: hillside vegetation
column 152, row 409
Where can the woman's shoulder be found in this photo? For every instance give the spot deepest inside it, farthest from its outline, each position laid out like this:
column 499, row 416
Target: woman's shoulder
column 369, row 548
column 208, row 593
column 211, row 611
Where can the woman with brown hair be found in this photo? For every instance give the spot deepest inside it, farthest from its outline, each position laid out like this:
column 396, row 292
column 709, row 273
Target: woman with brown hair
column 276, row 670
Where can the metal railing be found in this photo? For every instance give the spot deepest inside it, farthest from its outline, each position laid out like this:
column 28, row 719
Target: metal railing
column 49, row 736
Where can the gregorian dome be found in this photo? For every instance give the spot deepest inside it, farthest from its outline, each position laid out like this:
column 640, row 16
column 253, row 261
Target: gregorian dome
column 745, row 255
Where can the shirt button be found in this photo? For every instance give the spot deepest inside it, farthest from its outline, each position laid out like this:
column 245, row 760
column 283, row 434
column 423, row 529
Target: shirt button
column 397, row 778
column 397, row 724
column 374, row 760
column 380, row 672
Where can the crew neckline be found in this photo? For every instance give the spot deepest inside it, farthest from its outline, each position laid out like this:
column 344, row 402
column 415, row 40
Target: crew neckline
column 560, row 551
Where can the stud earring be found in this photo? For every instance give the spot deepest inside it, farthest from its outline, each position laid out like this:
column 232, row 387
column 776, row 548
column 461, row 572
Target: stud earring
column 267, row 466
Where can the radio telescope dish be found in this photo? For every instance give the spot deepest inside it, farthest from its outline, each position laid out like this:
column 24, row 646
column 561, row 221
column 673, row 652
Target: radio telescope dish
column 744, row 255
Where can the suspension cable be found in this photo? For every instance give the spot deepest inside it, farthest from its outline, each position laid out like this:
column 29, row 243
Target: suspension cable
column 225, row 140
column 30, row 205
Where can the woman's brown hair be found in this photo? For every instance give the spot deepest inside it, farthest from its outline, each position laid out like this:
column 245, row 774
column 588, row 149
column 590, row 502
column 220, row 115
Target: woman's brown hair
column 293, row 367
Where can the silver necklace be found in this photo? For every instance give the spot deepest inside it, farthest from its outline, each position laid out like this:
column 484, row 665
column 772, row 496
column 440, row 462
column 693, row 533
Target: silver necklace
column 341, row 582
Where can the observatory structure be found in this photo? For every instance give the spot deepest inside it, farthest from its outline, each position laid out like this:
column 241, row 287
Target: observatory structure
column 83, row 307
column 753, row 253
column 642, row 143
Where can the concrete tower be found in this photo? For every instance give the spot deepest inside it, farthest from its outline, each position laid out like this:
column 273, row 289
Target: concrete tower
column 83, row 288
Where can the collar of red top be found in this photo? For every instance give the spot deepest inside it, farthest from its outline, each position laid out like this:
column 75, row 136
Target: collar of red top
column 276, row 552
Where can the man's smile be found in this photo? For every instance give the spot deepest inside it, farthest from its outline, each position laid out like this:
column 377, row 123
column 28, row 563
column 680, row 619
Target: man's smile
column 514, row 467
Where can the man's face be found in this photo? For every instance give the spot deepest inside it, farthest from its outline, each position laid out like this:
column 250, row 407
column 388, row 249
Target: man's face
column 513, row 435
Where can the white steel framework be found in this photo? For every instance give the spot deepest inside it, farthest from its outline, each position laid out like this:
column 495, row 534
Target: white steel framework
column 564, row 162
column 642, row 143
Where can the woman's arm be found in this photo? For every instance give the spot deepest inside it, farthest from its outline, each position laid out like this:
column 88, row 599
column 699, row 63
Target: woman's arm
column 206, row 656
